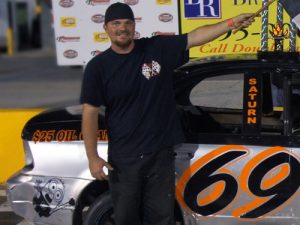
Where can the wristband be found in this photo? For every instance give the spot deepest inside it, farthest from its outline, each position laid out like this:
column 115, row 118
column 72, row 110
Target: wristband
column 230, row 23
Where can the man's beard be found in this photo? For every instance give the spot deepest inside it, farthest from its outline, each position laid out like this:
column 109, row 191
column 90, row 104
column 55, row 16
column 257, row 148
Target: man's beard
column 123, row 44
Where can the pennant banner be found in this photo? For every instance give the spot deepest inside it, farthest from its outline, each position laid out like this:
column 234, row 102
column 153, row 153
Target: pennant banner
column 293, row 9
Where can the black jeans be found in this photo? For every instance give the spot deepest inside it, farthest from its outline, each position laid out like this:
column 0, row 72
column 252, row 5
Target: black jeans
column 142, row 189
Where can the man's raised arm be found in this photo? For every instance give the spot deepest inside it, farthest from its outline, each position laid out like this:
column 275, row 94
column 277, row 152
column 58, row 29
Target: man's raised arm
column 207, row 33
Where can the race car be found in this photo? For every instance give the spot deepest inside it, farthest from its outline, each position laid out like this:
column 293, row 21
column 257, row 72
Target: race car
column 239, row 164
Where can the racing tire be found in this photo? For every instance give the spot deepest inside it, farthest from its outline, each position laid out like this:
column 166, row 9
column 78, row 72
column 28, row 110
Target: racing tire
column 100, row 212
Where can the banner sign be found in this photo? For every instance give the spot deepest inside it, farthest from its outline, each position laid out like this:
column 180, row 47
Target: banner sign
column 78, row 24
column 195, row 13
column 79, row 33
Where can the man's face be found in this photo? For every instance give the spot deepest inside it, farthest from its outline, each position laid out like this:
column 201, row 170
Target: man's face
column 121, row 32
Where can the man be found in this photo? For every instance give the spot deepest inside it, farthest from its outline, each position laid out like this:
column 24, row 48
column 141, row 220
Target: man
column 133, row 79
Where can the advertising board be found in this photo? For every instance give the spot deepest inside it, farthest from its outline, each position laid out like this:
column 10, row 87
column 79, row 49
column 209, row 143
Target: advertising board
column 79, row 33
column 196, row 13
column 79, row 29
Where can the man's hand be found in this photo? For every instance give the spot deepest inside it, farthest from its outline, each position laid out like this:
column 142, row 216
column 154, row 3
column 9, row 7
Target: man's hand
column 243, row 20
column 96, row 165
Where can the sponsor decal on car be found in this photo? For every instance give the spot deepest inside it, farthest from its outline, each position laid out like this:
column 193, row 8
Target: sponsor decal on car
column 162, row 33
column 163, row 2
column 49, row 197
column 97, row 2
column 98, row 18
column 64, row 135
column 101, row 37
column 165, row 17
column 66, row 3
column 251, row 104
column 64, row 39
column 209, row 187
column 68, row 21
column 70, row 54
column 131, row 2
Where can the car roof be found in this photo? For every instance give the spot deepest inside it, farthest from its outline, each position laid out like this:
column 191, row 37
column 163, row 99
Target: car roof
column 240, row 60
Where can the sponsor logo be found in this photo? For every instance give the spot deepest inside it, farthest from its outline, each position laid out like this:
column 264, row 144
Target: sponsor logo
column 252, row 101
column 137, row 35
column 131, row 2
column 165, row 17
column 96, row 52
column 50, row 193
column 66, row 3
column 163, row 2
column 68, row 21
column 64, row 135
column 70, row 54
column 64, row 39
column 162, row 33
column 243, row 2
column 202, row 9
column 138, row 19
column 97, row 2
column 100, row 37
column 97, row 18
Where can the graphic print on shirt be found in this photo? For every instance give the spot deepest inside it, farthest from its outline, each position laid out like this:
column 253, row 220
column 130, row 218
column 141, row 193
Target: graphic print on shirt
column 150, row 70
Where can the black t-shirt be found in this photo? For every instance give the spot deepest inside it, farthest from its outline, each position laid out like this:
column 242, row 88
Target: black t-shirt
column 137, row 90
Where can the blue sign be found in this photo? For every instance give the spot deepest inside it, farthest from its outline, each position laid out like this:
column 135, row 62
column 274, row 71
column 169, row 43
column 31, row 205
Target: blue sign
column 202, row 9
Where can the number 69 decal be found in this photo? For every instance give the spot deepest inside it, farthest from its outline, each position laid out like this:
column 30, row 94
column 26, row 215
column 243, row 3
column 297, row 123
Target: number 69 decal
column 270, row 178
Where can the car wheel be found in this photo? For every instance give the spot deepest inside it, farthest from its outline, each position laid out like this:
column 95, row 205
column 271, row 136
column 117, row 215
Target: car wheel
column 100, row 212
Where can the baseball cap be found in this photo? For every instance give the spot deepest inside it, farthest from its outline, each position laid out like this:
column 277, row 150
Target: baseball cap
column 118, row 11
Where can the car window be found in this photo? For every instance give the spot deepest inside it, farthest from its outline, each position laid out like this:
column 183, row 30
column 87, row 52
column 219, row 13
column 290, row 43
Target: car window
column 224, row 91
column 219, row 101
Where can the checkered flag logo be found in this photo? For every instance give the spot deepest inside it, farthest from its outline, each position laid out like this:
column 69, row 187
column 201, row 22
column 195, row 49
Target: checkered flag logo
column 150, row 70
